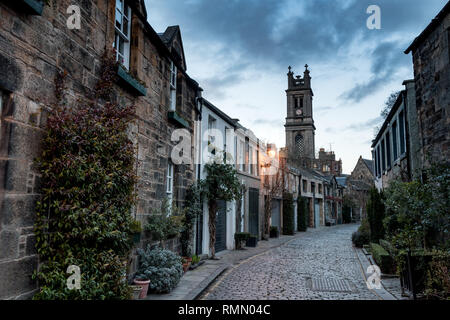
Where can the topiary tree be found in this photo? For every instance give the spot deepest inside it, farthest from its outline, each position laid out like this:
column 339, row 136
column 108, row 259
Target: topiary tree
column 83, row 217
column 221, row 183
column 288, row 214
column 375, row 214
column 302, row 214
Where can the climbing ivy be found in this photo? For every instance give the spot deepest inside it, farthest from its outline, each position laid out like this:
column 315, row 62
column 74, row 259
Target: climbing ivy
column 83, row 217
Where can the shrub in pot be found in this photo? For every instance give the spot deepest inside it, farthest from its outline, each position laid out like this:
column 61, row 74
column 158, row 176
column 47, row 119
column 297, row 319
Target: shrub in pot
column 252, row 241
column 360, row 238
column 162, row 267
column 239, row 238
column 274, row 233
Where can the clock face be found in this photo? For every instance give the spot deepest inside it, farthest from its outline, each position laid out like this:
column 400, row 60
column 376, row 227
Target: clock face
column 299, row 112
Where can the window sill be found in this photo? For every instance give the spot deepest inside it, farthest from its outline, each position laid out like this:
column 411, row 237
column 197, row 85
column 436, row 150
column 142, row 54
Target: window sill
column 132, row 83
column 177, row 119
column 33, row 7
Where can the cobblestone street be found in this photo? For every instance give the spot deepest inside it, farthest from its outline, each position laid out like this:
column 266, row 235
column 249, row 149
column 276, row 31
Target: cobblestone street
column 320, row 264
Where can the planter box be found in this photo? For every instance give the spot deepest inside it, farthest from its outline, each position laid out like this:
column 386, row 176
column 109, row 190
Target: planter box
column 130, row 82
column 274, row 233
column 34, row 7
column 175, row 118
column 252, row 242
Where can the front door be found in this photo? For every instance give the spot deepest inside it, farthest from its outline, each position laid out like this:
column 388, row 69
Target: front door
column 316, row 214
column 221, row 226
column 276, row 216
column 253, row 200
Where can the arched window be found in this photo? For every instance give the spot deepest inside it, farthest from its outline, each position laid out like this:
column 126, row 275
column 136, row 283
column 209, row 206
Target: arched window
column 299, row 144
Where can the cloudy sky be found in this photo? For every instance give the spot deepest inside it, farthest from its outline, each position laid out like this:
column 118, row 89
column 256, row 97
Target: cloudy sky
column 239, row 51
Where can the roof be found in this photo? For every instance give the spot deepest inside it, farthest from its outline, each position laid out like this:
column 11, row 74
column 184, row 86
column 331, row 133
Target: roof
column 219, row 112
column 358, row 185
column 342, row 181
column 369, row 164
column 391, row 114
column 430, row 28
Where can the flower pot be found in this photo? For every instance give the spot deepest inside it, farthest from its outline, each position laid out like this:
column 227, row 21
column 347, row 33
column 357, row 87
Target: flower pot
column 186, row 266
column 136, row 291
column 144, row 284
column 188, row 259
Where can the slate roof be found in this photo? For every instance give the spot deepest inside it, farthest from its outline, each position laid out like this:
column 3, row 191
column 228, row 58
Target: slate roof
column 358, row 185
column 342, row 181
column 369, row 164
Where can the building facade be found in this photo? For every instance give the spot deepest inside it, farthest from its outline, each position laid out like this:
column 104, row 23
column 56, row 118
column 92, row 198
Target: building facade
column 35, row 46
column 431, row 59
column 392, row 148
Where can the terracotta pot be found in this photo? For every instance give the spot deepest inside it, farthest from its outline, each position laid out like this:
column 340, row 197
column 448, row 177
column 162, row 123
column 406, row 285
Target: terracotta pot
column 186, row 266
column 136, row 291
column 188, row 259
column 144, row 284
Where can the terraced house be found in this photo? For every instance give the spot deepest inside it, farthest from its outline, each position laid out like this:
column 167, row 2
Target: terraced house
column 35, row 44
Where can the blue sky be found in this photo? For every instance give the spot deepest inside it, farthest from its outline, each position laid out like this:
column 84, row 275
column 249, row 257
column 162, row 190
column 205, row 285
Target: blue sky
column 239, row 51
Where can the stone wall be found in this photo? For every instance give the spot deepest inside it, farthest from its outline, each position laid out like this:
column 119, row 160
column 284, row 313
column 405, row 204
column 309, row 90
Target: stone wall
column 432, row 76
column 32, row 49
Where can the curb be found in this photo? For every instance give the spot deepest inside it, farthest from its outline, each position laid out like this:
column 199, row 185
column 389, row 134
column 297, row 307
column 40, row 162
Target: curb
column 198, row 290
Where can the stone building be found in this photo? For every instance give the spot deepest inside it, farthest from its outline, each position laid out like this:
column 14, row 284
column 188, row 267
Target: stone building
column 35, row 43
column 327, row 163
column 431, row 58
column 396, row 143
column 357, row 186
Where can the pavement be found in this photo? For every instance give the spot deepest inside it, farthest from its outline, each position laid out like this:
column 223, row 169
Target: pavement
column 194, row 282
column 320, row 264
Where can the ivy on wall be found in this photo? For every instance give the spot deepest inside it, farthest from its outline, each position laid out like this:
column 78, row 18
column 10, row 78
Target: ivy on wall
column 83, row 217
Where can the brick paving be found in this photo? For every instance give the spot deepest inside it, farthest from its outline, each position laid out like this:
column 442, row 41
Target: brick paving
column 294, row 270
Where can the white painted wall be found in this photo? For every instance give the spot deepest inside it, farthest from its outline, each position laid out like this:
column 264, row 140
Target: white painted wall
column 205, row 156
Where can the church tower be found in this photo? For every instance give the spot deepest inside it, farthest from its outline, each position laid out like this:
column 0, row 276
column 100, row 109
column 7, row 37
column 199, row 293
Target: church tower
column 299, row 127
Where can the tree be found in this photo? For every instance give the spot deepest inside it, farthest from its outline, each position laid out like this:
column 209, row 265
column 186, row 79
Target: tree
column 302, row 214
column 389, row 103
column 288, row 214
column 221, row 183
column 273, row 186
column 375, row 214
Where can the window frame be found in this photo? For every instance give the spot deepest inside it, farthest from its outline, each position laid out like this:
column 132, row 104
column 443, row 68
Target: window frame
column 173, row 86
column 120, row 35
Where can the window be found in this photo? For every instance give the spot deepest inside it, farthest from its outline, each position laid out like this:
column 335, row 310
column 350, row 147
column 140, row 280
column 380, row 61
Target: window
column 305, row 186
column 211, row 139
column 173, row 86
column 122, row 35
column 383, row 156
column 388, row 150
column 299, row 144
column 250, row 161
column 313, row 187
column 401, row 120
column 375, row 159
column 379, row 164
column 241, row 155
column 394, row 141
column 320, row 189
column 169, row 187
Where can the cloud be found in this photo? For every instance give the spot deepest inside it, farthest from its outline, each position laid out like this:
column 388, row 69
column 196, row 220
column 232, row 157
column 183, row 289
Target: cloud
column 270, row 122
column 361, row 126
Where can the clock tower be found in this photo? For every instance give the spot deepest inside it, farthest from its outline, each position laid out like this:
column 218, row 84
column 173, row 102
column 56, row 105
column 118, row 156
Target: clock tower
column 299, row 127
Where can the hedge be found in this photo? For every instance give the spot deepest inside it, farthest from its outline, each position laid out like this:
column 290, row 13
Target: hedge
column 382, row 258
column 288, row 214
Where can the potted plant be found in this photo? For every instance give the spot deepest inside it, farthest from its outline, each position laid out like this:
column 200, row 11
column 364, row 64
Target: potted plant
column 186, row 263
column 144, row 284
column 274, row 232
column 196, row 262
column 136, row 230
column 252, row 241
column 239, row 238
column 136, row 291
